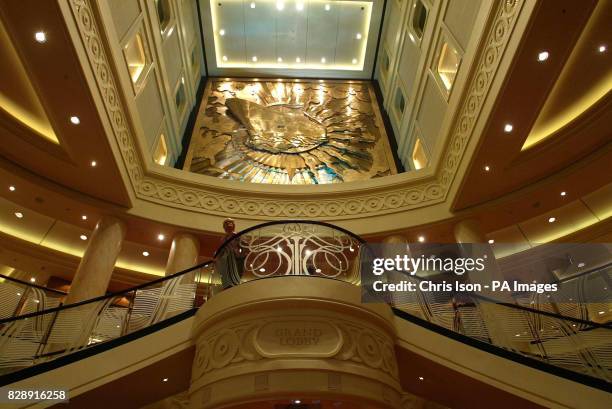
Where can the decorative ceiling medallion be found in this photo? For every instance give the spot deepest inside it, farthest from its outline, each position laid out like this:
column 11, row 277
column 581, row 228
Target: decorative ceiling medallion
column 289, row 132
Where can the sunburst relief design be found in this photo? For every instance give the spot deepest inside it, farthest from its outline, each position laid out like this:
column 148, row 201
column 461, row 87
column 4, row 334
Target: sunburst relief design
column 289, row 132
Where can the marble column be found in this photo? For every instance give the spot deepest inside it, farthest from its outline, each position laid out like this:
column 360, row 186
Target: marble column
column 98, row 262
column 183, row 253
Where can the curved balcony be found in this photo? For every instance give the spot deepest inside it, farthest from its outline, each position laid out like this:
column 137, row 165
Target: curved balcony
column 576, row 346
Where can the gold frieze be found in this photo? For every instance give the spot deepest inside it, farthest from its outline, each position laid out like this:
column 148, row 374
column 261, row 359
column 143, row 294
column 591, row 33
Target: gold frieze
column 289, row 132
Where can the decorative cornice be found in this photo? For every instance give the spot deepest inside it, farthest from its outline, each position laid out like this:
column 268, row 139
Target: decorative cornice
column 385, row 195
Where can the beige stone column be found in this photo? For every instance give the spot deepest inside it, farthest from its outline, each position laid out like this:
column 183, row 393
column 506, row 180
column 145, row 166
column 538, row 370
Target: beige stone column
column 98, row 262
column 183, row 253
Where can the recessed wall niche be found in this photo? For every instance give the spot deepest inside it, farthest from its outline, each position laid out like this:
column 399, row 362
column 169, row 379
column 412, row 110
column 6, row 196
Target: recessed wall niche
column 419, row 155
column 136, row 57
column 160, row 156
column 164, row 14
column 419, row 19
column 447, row 64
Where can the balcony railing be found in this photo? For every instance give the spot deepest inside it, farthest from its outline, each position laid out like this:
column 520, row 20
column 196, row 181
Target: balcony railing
column 39, row 337
column 20, row 297
column 572, row 344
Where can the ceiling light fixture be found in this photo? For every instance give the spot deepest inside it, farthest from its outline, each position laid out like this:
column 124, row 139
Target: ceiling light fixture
column 262, row 270
column 84, row 217
column 279, row 59
column 421, row 378
column 32, row 280
column 491, row 241
column 83, row 237
column 552, row 219
column 298, row 60
column 602, row 48
column 280, row 5
column 222, row 32
column 93, row 163
column 40, row 37
column 145, row 253
column 581, row 264
column 254, row 58
column 327, row 7
column 12, row 188
column 421, row 239
column 252, row 4
column 508, row 128
column 563, row 193
column 358, row 36
column 161, row 237
column 354, row 61
column 165, row 380
column 299, row 6
column 297, row 401
column 19, row 215
column 487, row 168
column 224, row 58
column 75, row 120
column 323, row 60
column 543, row 56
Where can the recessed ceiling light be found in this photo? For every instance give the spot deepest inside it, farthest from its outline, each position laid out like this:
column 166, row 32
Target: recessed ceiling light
column 93, row 163
column 299, row 6
column 323, row 60
column 252, row 4
column 280, row 5
column 279, row 59
column 19, row 215
column 563, row 193
column 358, row 36
column 40, row 37
column 602, row 48
column 552, row 219
column 354, row 61
column 262, row 270
column 487, row 168
column 145, row 253
column 508, row 128
column 161, row 237
column 222, row 32
column 224, row 58
column 298, row 60
column 254, row 58
column 580, row 265
column 543, row 56
column 165, row 380
column 84, row 217
column 491, row 241
column 83, row 237
column 32, row 280
column 327, row 7
column 421, row 239
column 601, row 312
column 36, row 301
column 297, row 401
column 421, row 378
column 75, row 120
column 12, row 188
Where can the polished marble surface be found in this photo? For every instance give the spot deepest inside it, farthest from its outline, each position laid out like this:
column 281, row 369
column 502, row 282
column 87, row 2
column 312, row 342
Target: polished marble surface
column 289, row 132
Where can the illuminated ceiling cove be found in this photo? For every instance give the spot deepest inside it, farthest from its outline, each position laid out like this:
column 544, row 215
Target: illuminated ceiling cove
column 291, row 35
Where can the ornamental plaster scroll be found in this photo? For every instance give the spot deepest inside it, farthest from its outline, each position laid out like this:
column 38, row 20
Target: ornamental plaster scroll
column 240, row 343
column 390, row 197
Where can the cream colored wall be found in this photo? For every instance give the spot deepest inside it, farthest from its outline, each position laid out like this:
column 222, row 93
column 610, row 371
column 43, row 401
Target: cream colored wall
column 412, row 68
column 175, row 56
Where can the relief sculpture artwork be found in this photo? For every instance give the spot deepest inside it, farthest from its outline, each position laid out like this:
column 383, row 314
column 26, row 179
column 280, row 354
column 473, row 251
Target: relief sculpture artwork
column 289, row 132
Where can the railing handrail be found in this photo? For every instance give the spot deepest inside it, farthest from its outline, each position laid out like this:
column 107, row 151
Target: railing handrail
column 106, row 296
column 40, row 287
column 275, row 222
column 533, row 310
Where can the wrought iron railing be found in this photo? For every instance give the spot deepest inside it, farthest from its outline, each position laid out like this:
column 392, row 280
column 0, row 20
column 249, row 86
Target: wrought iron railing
column 42, row 336
column 289, row 248
column 19, row 297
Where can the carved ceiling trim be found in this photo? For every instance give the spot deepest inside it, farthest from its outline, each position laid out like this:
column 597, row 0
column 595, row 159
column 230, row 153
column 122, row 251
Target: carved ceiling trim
column 386, row 195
